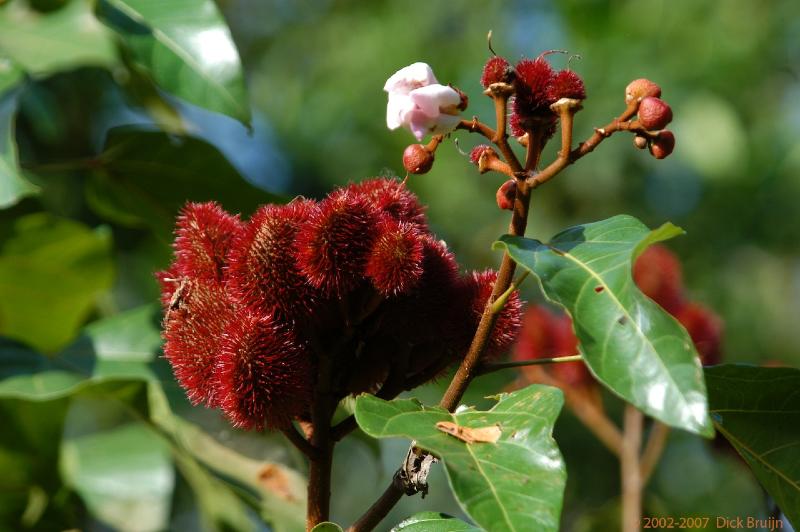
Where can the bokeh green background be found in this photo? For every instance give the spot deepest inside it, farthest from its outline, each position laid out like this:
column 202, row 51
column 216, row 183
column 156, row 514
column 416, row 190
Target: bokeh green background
column 83, row 249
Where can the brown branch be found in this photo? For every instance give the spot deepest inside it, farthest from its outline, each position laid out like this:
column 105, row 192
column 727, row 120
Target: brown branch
column 380, row 508
column 565, row 158
column 319, row 471
column 629, row 470
column 476, row 126
column 297, row 439
column 653, row 449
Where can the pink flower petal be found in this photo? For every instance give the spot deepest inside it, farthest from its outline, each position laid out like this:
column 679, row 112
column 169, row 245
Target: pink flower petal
column 432, row 98
column 409, row 78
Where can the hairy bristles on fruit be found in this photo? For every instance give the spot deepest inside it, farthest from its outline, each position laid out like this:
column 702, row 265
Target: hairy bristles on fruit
column 566, row 84
column 392, row 197
column 194, row 324
column 333, row 246
column 496, row 70
column 203, row 235
column 263, row 271
column 395, row 261
column 264, row 372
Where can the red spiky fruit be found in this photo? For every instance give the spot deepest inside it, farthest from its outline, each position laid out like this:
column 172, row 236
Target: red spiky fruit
column 509, row 320
column 566, row 84
column 193, row 328
column 395, row 261
column 496, row 70
column 417, row 159
column 506, row 194
column 263, row 272
column 533, row 78
column 392, row 197
column 203, row 234
column 264, row 373
column 663, row 145
column 705, row 329
column 641, row 88
column 658, row 274
column 333, row 246
column 654, row 113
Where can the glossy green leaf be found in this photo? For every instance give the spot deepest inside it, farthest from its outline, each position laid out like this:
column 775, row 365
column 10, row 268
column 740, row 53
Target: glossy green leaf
column 277, row 492
column 147, row 176
column 434, row 522
column 121, row 468
column 187, row 48
column 120, row 348
column 43, row 43
column 630, row 343
column 758, row 411
column 13, row 185
column 51, row 271
column 516, row 483
column 327, row 526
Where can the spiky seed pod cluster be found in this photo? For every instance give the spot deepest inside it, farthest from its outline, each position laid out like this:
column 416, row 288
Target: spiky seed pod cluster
column 659, row 276
column 252, row 307
column 537, row 86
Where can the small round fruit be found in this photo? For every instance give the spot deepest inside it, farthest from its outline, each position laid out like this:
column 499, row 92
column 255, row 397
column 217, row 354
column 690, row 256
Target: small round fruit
column 654, row 114
column 641, row 88
column 663, row 145
column 506, row 195
column 417, row 159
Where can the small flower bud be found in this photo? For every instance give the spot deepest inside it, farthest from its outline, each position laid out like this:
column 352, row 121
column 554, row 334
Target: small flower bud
column 417, row 159
column 641, row 88
column 496, row 70
column 654, row 113
column 663, row 144
column 477, row 152
column 640, row 142
column 506, row 195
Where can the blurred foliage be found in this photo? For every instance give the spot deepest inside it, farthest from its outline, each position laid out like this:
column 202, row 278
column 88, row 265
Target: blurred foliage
column 109, row 122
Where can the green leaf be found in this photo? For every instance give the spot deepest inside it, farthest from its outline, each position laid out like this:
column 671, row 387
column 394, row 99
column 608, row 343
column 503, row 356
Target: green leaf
column 758, row 411
column 434, row 522
column 51, row 272
column 121, row 468
column 631, row 344
column 122, row 348
column 516, row 483
column 47, row 42
column 148, row 176
column 13, row 186
column 327, row 526
column 187, row 48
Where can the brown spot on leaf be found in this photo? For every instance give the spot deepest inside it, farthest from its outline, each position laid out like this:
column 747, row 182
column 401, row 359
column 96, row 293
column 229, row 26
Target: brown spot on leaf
column 488, row 434
column 599, row 288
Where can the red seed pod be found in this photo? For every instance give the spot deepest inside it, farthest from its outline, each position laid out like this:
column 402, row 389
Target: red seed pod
column 168, row 280
column 395, row 261
column 417, row 159
column 263, row 273
column 663, row 145
column 658, row 274
column 654, row 113
column 705, row 329
column 477, row 151
column 509, row 320
column 264, row 373
column 506, row 194
column 533, row 78
column 515, row 122
column 203, row 235
column 496, row 70
column 566, row 84
column 193, row 327
column 333, row 246
column 392, row 197
column 641, row 88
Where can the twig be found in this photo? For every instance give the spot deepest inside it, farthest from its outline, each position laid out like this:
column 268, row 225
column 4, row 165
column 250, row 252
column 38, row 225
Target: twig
column 489, row 368
column 629, row 470
column 653, row 449
column 297, row 439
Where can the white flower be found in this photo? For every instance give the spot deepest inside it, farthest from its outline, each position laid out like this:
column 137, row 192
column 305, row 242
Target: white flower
column 418, row 102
